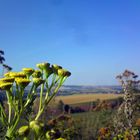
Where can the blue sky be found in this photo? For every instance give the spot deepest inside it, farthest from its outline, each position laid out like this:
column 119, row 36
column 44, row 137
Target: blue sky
column 94, row 39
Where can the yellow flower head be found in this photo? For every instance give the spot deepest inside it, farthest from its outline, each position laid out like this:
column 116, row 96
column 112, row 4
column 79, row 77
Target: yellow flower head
column 17, row 74
column 37, row 74
column 23, row 131
column 63, row 73
column 7, row 79
column 55, row 68
column 28, row 71
column 22, row 82
column 7, row 74
column 38, row 81
column 43, row 66
column 48, row 72
column 6, row 86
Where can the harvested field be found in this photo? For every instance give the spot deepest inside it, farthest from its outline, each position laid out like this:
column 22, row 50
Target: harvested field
column 75, row 99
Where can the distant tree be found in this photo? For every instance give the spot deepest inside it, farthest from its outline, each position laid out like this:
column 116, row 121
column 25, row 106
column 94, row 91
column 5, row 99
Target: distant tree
column 6, row 68
column 66, row 109
column 2, row 59
column 61, row 106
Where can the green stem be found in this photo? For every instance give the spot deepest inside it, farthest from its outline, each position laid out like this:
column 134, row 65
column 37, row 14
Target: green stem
column 30, row 94
column 39, row 113
column 17, row 92
column 11, row 130
column 9, row 105
column 53, row 78
column 3, row 116
column 9, row 135
column 16, row 119
column 41, row 96
column 48, row 91
column 21, row 99
column 52, row 84
column 31, row 90
column 47, row 101
column 10, row 111
column 55, row 91
column 35, row 136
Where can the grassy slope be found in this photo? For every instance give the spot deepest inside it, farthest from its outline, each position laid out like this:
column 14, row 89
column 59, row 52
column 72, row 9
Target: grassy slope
column 90, row 122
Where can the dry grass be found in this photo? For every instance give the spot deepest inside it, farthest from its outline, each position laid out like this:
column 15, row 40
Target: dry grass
column 82, row 98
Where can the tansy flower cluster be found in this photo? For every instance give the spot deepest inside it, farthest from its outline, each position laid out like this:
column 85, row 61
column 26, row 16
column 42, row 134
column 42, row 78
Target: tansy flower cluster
column 48, row 77
column 23, row 78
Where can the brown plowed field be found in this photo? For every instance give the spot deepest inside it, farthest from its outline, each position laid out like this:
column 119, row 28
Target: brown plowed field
column 82, row 98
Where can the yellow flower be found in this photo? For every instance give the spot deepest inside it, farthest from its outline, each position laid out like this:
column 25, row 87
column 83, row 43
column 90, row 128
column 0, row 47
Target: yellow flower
column 63, row 73
column 37, row 74
column 7, row 79
column 22, row 82
column 38, row 81
column 28, row 71
column 46, row 68
column 17, row 74
column 6, row 86
column 55, row 68
column 23, row 131
column 7, row 74
column 43, row 66
column 48, row 72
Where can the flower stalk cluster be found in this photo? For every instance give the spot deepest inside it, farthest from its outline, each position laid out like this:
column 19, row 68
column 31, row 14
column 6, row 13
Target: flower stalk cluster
column 48, row 77
column 129, row 84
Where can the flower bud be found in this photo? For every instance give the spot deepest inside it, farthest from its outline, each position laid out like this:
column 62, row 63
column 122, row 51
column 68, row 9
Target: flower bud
column 38, row 81
column 63, row 73
column 7, row 79
column 49, row 134
column 28, row 71
column 24, row 131
column 36, row 126
column 115, row 138
column 37, row 74
column 48, row 72
column 6, row 86
column 120, row 136
column 68, row 73
column 53, row 134
column 43, row 66
column 55, row 68
column 7, row 74
column 32, row 123
column 17, row 74
column 22, row 82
